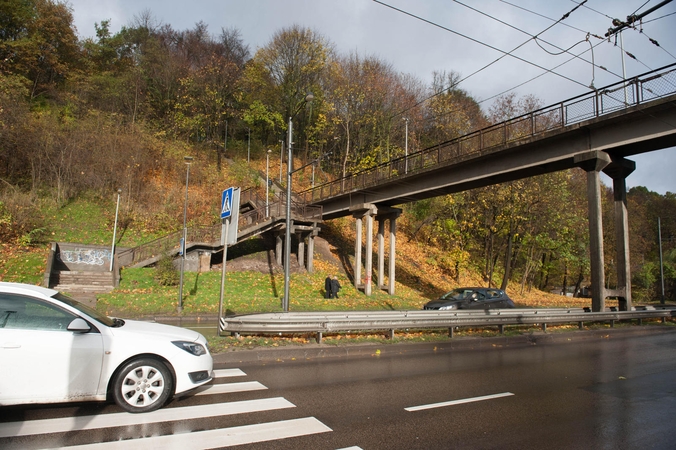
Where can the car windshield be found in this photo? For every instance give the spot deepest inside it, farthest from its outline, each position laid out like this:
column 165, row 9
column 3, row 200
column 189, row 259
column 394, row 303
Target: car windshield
column 91, row 312
column 457, row 294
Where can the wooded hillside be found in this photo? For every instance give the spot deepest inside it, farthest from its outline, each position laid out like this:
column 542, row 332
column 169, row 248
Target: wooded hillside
column 84, row 117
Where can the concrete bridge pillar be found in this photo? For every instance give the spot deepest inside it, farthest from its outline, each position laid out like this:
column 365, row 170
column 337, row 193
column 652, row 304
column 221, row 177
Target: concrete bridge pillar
column 301, row 249
column 311, row 250
column 306, row 233
column 278, row 247
column 593, row 162
column 384, row 214
column 619, row 169
column 360, row 212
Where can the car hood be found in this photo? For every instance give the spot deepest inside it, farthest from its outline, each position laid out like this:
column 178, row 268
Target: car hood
column 439, row 303
column 158, row 330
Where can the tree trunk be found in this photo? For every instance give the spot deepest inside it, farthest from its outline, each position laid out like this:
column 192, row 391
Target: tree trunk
column 508, row 261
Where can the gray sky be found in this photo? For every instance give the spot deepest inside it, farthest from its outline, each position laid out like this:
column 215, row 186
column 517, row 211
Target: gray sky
column 417, row 47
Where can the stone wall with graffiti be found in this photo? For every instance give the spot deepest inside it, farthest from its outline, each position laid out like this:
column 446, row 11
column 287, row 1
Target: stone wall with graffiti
column 90, row 258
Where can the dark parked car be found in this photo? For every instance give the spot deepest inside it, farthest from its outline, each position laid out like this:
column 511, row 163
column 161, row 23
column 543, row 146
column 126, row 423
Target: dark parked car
column 471, row 298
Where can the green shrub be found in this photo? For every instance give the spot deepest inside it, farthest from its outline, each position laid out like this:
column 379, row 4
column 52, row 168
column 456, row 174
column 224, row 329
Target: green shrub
column 165, row 272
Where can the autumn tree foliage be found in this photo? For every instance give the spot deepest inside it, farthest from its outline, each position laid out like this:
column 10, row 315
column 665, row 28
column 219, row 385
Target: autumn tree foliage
column 121, row 109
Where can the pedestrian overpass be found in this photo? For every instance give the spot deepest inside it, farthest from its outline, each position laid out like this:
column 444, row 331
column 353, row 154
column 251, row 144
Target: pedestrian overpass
column 595, row 131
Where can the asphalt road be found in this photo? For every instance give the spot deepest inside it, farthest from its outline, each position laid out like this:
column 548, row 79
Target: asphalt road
column 613, row 390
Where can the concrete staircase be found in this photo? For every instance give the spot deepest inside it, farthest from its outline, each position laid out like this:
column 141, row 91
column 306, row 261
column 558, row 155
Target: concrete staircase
column 72, row 281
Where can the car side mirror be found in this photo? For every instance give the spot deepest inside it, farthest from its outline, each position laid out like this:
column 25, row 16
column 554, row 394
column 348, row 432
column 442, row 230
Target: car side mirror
column 79, row 325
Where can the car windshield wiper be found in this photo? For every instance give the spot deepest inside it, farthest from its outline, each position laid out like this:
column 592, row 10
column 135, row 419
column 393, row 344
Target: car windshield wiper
column 117, row 323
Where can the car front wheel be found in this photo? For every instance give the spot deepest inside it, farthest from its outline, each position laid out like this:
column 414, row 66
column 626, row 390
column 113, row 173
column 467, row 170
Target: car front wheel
column 143, row 385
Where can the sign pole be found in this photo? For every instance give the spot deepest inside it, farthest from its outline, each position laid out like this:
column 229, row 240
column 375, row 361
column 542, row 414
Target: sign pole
column 224, row 232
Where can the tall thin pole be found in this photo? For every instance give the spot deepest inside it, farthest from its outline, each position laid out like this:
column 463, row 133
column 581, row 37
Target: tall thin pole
column 406, row 146
column 287, row 234
column 224, row 231
column 112, row 248
column 281, row 159
column 248, row 147
column 188, row 160
column 267, row 184
column 659, row 236
column 225, row 142
column 624, row 71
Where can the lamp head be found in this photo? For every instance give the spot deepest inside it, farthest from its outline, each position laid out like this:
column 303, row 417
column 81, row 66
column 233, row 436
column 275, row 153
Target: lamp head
column 309, row 97
column 187, row 159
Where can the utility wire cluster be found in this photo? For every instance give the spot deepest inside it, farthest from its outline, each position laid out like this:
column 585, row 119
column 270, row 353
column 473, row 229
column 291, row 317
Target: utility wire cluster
column 619, row 25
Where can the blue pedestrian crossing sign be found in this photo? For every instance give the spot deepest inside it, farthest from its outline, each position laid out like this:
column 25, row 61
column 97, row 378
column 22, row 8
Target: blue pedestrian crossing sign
column 226, row 203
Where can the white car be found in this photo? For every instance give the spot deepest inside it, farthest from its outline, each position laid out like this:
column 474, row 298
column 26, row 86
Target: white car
column 54, row 349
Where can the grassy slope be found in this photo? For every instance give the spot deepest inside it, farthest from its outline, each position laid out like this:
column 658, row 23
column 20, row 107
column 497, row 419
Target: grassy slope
column 418, row 278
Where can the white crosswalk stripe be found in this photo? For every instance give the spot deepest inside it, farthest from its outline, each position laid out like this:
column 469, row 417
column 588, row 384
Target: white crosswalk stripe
column 81, row 423
column 229, row 388
column 222, row 437
column 219, row 437
column 224, row 373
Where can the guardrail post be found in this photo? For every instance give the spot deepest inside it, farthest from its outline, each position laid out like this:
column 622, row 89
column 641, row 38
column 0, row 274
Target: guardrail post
column 390, row 334
column 319, row 337
column 544, row 327
column 450, row 332
column 501, row 328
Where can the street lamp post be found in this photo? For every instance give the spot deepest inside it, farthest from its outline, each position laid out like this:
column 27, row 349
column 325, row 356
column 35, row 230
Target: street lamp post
column 406, row 146
column 187, row 160
column 112, row 248
column 267, row 184
column 289, row 223
column 248, row 147
column 281, row 159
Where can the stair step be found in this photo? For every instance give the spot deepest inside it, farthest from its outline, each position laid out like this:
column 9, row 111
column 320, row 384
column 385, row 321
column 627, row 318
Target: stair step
column 82, row 281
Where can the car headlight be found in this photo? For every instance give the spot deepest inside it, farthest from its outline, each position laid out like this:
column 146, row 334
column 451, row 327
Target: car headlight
column 446, row 308
column 191, row 347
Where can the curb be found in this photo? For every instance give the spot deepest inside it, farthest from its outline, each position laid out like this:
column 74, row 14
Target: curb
column 317, row 351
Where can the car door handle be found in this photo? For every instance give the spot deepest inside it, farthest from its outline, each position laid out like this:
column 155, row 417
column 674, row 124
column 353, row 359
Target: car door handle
column 10, row 345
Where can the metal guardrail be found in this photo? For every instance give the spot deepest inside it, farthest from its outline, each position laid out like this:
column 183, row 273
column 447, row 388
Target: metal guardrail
column 615, row 97
column 390, row 321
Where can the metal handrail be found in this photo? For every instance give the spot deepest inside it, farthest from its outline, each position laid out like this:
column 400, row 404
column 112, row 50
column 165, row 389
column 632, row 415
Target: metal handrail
column 324, row 322
column 646, row 87
column 212, row 234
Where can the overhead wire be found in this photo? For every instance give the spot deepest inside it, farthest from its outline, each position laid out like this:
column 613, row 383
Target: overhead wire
column 634, row 13
column 536, row 39
column 658, row 18
column 515, row 87
column 578, row 29
column 504, row 53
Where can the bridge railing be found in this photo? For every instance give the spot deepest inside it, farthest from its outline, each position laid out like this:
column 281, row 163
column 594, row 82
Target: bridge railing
column 615, row 97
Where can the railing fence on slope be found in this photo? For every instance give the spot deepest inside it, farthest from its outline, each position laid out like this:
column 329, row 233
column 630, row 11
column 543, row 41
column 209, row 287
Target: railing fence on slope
column 212, row 234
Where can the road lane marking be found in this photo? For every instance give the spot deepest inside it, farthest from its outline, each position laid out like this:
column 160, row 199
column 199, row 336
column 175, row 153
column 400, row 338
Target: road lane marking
column 223, row 437
column 66, row 424
column 223, row 373
column 458, row 402
column 228, row 388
